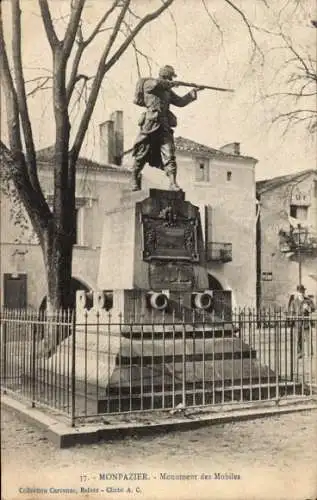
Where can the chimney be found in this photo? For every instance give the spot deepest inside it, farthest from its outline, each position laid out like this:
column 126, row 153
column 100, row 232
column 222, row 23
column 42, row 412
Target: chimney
column 233, row 148
column 107, row 151
column 117, row 118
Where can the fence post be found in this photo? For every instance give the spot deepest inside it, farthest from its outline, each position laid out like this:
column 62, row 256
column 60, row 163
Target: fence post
column 184, row 361
column 73, row 370
column 292, row 351
column 33, row 333
column 277, row 357
column 314, row 317
column 4, row 346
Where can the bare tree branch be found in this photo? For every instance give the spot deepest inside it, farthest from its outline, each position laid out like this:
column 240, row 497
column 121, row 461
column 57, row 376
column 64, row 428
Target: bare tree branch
column 136, row 58
column 133, row 14
column 295, row 112
column 138, row 52
column 21, row 95
column 48, row 24
column 72, row 79
column 297, row 55
column 147, row 19
column 11, row 97
column 213, row 19
column 68, row 42
column 296, row 78
column 96, row 85
column 14, row 160
column 40, row 81
column 291, row 94
column 100, row 23
column 82, row 44
column 36, row 68
column 296, row 117
column 38, row 89
column 247, row 24
column 175, row 25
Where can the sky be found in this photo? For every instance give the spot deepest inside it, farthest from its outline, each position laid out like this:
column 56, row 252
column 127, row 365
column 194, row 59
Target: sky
column 188, row 38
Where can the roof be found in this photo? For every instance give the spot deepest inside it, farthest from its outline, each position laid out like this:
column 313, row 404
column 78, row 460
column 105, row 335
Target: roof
column 183, row 144
column 46, row 155
column 189, row 146
column 275, row 182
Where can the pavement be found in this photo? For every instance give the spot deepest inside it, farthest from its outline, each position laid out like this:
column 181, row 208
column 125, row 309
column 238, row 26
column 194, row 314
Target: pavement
column 265, row 458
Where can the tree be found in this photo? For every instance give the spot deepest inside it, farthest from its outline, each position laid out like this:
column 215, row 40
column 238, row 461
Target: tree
column 121, row 21
column 55, row 227
column 300, row 90
column 294, row 101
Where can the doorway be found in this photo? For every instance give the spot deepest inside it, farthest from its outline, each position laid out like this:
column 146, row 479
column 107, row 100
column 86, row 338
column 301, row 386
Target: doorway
column 15, row 291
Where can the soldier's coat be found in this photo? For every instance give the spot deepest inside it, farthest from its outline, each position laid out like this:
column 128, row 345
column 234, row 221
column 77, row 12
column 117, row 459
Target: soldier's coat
column 157, row 122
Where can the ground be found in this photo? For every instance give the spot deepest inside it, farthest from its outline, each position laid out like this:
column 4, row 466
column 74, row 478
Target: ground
column 271, row 458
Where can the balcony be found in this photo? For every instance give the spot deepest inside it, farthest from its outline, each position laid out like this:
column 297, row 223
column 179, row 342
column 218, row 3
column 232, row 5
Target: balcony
column 219, row 252
column 298, row 240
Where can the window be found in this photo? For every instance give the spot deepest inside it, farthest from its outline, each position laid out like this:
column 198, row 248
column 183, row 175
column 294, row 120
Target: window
column 298, row 212
column 79, row 228
column 82, row 214
column 202, row 171
column 229, row 175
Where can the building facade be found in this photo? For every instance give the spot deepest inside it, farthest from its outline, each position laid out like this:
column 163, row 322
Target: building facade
column 221, row 182
column 286, row 237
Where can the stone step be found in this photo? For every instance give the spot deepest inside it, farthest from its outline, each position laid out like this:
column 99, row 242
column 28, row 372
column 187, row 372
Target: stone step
column 170, row 399
column 90, row 400
column 179, row 331
column 198, row 372
column 190, row 349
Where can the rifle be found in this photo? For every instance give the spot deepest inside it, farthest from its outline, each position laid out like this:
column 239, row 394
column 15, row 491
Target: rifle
column 199, row 87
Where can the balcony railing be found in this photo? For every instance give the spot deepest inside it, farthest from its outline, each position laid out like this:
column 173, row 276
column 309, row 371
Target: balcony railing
column 219, row 252
column 294, row 241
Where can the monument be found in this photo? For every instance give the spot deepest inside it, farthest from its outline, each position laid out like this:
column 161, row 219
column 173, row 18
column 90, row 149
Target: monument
column 159, row 343
column 150, row 338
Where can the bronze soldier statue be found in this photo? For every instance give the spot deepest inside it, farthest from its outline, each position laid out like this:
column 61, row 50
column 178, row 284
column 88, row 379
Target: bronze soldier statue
column 155, row 142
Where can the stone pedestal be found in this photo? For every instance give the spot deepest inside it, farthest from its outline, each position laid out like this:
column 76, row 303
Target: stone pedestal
column 152, row 242
column 149, row 337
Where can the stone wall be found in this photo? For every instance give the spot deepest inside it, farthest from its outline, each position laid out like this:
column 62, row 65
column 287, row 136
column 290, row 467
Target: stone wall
column 275, row 207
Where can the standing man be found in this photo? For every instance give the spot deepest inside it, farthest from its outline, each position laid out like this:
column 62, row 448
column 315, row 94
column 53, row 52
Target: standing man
column 155, row 142
column 301, row 306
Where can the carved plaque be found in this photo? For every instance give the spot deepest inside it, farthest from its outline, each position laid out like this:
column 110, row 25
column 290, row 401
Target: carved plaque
column 170, row 235
column 171, row 275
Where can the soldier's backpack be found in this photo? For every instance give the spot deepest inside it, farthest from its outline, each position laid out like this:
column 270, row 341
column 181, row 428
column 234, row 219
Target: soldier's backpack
column 139, row 93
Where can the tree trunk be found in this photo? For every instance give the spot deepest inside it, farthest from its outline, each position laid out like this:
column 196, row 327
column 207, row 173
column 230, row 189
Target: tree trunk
column 57, row 250
column 58, row 264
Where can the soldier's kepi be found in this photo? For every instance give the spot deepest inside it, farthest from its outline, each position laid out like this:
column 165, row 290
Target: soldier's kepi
column 155, row 142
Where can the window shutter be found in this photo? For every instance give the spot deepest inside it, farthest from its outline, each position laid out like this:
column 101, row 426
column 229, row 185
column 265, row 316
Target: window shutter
column 88, row 227
column 202, row 170
column 208, row 223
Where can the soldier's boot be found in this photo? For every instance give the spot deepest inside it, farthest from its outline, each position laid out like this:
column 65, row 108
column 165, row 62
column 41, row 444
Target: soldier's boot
column 172, row 179
column 136, row 180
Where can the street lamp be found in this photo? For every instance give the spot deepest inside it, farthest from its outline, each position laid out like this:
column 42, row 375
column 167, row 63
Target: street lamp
column 300, row 237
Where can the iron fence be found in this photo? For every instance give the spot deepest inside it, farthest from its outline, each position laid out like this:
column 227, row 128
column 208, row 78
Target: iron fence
column 97, row 367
